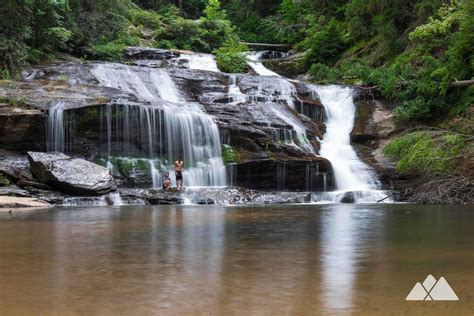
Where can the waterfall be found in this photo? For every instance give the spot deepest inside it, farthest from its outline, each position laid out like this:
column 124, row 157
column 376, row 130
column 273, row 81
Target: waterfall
column 255, row 63
column 283, row 92
column 234, row 90
column 201, row 62
column 164, row 130
column 56, row 127
column 350, row 173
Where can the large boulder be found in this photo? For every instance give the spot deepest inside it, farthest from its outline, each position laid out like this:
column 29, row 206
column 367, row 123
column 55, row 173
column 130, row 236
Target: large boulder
column 75, row 176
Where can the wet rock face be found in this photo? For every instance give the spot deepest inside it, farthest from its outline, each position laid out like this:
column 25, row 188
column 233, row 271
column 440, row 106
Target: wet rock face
column 75, row 176
column 149, row 53
column 293, row 175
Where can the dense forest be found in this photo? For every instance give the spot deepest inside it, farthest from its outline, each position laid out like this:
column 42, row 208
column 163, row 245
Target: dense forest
column 417, row 54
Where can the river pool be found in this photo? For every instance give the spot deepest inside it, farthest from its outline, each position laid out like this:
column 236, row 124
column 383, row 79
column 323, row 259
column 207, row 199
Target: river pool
column 211, row 260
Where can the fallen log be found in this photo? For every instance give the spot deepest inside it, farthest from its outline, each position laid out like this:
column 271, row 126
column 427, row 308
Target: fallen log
column 461, row 83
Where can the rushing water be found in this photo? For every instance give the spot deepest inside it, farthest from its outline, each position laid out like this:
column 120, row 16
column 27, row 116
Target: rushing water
column 273, row 260
column 56, row 128
column 201, row 61
column 257, row 66
column 350, row 173
column 167, row 129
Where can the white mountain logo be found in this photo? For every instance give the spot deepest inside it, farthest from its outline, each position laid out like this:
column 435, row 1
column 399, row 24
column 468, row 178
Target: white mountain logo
column 432, row 290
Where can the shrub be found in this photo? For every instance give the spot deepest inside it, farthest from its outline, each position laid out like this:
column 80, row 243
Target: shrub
column 230, row 57
column 229, row 155
column 146, row 18
column 324, row 74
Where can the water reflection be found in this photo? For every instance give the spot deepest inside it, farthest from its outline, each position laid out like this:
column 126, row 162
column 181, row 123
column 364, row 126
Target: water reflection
column 339, row 240
column 303, row 260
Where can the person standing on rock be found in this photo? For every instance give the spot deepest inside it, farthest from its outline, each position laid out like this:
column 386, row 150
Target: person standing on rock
column 178, row 169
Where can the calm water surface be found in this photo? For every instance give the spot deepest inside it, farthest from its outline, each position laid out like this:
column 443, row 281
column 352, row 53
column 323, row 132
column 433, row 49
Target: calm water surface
column 272, row 260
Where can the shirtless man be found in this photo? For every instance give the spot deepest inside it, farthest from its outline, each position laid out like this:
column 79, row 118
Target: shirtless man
column 178, row 169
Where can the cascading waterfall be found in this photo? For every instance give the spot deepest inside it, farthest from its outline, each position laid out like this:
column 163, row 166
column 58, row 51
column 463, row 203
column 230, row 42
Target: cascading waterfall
column 351, row 174
column 56, row 127
column 201, row 62
column 286, row 93
column 255, row 63
column 234, row 90
column 165, row 130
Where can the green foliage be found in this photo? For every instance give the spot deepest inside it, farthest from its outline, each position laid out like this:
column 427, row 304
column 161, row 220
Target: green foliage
column 230, row 57
column 325, row 43
column 426, row 153
column 324, row 74
column 213, row 11
column 203, row 35
column 149, row 19
column 5, row 74
column 18, row 101
column 229, row 155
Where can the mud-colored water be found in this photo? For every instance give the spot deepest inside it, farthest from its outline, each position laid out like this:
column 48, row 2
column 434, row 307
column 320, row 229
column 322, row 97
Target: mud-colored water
column 273, row 260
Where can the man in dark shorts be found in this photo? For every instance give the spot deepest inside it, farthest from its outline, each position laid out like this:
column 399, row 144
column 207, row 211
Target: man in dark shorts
column 178, row 169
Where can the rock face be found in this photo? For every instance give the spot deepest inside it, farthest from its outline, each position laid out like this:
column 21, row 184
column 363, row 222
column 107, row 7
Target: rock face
column 75, row 176
column 293, row 175
column 149, row 53
column 21, row 128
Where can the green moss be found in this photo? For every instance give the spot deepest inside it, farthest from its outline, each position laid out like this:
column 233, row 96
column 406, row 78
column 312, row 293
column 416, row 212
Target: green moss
column 229, row 155
column 4, row 180
column 426, row 152
column 16, row 101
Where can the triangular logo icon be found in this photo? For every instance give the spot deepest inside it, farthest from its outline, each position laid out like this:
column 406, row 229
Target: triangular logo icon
column 418, row 293
column 432, row 290
column 443, row 292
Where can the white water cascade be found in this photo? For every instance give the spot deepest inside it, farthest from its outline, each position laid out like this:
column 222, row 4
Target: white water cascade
column 352, row 176
column 257, row 66
column 165, row 129
column 350, row 173
column 201, row 61
column 285, row 92
column 56, row 130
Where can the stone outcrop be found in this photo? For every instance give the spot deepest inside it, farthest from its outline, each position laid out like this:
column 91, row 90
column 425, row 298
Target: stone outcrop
column 21, row 128
column 149, row 53
column 290, row 175
column 75, row 176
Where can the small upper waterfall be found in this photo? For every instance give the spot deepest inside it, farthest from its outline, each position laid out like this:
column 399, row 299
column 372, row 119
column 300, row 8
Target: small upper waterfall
column 257, row 66
column 166, row 130
column 351, row 174
column 56, row 131
column 201, row 61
